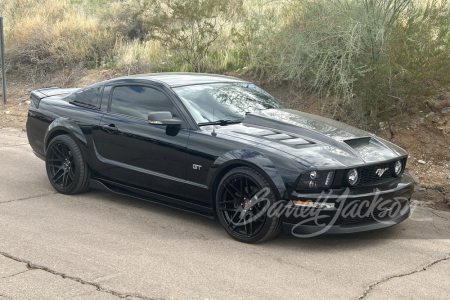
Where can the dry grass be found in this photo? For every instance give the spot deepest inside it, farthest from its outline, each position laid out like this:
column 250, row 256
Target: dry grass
column 46, row 35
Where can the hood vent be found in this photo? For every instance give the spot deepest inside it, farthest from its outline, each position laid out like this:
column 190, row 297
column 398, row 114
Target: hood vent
column 278, row 136
column 287, row 139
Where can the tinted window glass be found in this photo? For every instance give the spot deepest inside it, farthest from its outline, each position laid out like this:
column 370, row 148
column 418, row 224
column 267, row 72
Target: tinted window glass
column 210, row 102
column 90, row 95
column 139, row 101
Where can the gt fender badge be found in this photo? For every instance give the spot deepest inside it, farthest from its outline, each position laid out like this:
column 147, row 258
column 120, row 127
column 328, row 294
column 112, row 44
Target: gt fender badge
column 380, row 172
column 196, row 167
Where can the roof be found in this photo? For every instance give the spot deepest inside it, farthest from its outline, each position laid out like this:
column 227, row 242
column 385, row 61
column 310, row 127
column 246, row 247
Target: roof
column 182, row 79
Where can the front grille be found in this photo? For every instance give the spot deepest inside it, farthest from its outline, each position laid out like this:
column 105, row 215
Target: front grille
column 368, row 175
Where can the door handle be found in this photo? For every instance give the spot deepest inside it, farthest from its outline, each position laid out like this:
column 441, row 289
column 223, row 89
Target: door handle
column 110, row 127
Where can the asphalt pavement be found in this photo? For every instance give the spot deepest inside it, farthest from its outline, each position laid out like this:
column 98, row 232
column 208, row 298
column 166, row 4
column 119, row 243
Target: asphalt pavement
column 99, row 245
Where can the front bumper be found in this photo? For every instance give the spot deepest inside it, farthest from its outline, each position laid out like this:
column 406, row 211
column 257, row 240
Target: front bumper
column 349, row 212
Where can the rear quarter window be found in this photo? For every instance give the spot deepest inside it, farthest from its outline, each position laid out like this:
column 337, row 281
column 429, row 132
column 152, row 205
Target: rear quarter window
column 89, row 96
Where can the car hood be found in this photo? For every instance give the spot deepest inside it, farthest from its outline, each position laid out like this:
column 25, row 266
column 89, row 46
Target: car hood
column 316, row 141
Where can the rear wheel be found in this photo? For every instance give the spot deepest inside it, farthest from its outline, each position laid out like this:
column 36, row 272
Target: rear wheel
column 242, row 200
column 67, row 170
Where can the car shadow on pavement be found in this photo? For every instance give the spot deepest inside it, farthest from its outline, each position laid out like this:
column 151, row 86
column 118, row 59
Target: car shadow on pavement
column 424, row 224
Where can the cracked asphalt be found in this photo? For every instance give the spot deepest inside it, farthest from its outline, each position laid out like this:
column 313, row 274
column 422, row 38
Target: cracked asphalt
column 99, row 245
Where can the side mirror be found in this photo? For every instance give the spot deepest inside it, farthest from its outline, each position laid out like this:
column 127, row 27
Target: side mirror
column 163, row 118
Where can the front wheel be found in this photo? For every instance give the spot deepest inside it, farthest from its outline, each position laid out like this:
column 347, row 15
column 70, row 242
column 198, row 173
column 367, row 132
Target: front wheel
column 67, row 170
column 242, row 201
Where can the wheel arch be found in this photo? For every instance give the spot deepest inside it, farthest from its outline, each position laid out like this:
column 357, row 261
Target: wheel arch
column 251, row 159
column 64, row 126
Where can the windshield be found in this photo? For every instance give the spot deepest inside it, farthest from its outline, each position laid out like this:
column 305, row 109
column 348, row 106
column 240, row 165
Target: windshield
column 224, row 101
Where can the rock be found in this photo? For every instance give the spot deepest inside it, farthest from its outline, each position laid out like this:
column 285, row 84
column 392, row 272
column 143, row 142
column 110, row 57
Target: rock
column 440, row 189
column 28, row 102
column 445, row 110
column 383, row 125
column 421, row 120
column 422, row 190
column 421, row 162
column 415, row 177
column 7, row 112
column 429, row 115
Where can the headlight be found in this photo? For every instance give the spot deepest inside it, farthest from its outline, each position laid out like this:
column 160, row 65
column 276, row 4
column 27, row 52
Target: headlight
column 316, row 180
column 398, row 168
column 353, row 177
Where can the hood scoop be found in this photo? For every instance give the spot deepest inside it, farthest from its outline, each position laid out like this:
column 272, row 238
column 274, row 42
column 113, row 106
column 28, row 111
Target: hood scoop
column 369, row 148
column 364, row 142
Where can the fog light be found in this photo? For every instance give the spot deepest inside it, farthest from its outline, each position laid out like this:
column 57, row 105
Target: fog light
column 353, row 177
column 398, row 168
column 312, row 184
column 328, row 180
column 313, row 174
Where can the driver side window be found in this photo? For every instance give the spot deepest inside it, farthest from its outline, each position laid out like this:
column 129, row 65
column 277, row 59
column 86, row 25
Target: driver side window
column 138, row 101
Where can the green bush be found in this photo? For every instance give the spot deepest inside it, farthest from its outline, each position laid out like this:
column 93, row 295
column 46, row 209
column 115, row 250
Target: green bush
column 190, row 27
column 373, row 56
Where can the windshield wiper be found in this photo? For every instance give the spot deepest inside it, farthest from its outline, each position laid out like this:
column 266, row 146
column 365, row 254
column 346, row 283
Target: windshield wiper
column 220, row 122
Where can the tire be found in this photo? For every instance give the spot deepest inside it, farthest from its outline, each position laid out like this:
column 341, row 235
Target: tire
column 241, row 214
column 67, row 170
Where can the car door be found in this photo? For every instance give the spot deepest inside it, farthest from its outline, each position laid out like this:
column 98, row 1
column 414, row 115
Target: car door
column 137, row 153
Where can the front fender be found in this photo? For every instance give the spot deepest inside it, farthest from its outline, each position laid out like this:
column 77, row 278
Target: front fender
column 250, row 158
column 67, row 125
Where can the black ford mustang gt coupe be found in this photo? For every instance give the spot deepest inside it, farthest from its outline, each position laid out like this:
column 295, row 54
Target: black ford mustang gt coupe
column 221, row 147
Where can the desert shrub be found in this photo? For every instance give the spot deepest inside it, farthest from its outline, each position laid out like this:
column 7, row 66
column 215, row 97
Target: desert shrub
column 129, row 18
column 143, row 57
column 419, row 52
column 189, row 35
column 372, row 56
column 190, row 27
column 49, row 34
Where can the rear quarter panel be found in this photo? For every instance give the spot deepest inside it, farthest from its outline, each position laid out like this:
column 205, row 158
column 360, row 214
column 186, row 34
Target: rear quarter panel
column 55, row 116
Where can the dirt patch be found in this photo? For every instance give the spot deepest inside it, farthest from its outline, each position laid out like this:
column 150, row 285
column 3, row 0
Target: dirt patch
column 426, row 138
column 93, row 76
column 14, row 114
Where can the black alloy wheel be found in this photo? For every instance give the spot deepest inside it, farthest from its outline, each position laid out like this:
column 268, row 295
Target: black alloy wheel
column 66, row 169
column 242, row 200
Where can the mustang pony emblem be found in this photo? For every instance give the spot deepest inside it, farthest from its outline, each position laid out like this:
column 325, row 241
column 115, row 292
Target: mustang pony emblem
column 380, row 172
